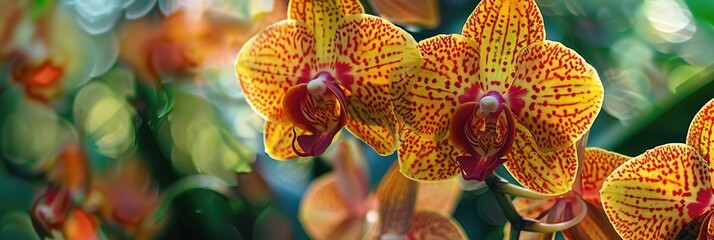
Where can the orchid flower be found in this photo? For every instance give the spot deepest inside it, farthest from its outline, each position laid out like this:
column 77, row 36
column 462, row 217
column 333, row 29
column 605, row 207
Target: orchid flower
column 597, row 165
column 169, row 48
column 327, row 67
column 666, row 192
column 338, row 205
column 49, row 54
column 498, row 90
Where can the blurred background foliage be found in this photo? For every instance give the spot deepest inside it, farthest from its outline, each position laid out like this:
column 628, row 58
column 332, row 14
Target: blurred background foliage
column 153, row 81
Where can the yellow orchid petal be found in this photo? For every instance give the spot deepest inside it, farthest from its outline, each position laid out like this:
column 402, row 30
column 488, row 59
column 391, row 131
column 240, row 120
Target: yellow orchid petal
column 323, row 17
column 501, row 29
column 556, row 94
column 278, row 140
column 654, row 195
column 372, row 53
column 273, row 61
column 546, row 173
column 434, row 225
column 440, row 197
column 594, row 226
column 701, row 132
column 424, row 160
column 597, row 165
column 448, row 77
column 322, row 208
column 420, row 13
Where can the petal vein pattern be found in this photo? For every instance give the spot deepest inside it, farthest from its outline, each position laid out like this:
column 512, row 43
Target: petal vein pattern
column 322, row 17
column 273, row 61
column 546, row 173
column 556, row 94
column 701, row 132
column 501, row 29
column 373, row 52
column 654, row 195
column 449, row 76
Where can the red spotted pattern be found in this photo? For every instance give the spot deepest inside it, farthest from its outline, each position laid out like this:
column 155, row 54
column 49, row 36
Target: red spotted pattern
column 501, row 29
column 563, row 94
column 422, row 159
column 274, row 60
column 546, row 173
column 701, row 132
column 597, row 165
column 434, row 226
column 449, row 72
column 322, row 17
column 654, row 195
column 372, row 53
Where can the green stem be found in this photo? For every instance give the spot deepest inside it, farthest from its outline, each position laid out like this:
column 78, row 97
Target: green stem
column 501, row 185
column 501, row 188
column 494, row 183
column 155, row 218
column 515, row 233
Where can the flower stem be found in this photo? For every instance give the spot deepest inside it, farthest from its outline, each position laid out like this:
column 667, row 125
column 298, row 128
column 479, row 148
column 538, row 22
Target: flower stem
column 501, row 189
column 155, row 219
column 495, row 183
column 501, row 185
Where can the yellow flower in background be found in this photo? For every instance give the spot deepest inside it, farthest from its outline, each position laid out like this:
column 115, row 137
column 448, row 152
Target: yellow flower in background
column 498, row 90
column 657, row 194
column 411, row 13
column 327, row 67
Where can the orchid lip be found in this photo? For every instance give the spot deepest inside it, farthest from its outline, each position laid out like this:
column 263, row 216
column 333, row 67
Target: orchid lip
column 484, row 152
column 311, row 107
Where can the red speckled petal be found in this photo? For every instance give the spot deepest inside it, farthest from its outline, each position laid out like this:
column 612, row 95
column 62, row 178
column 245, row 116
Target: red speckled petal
column 278, row 140
column 271, row 62
column 597, row 165
column 440, row 197
column 556, row 94
column 424, row 160
column 323, row 18
column 433, row 225
column 546, row 173
column 322, row 208
column 420, row 13
column 373, row 53
column 448, row 77
column 501, row 29
column 701, row 133
column 654, row 195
